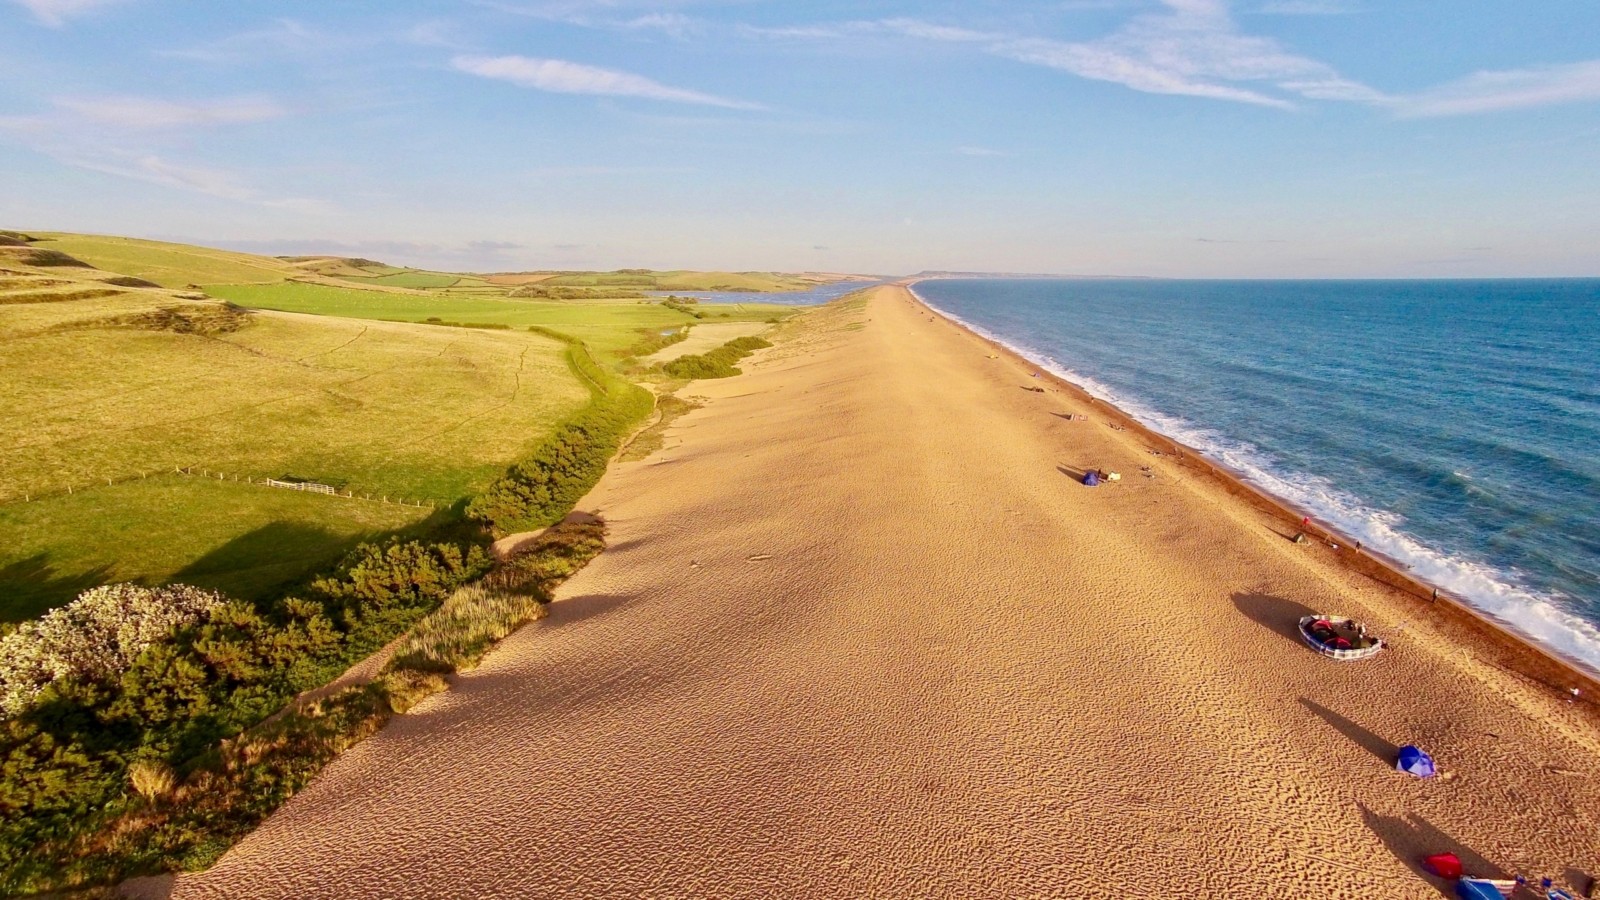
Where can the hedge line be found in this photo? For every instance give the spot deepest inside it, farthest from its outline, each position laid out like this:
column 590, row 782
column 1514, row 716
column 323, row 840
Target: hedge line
column 541, row 489
column 717, row 363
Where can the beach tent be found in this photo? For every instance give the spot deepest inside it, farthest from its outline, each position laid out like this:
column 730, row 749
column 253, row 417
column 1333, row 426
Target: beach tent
column 1091, row 478
column 1414, row 761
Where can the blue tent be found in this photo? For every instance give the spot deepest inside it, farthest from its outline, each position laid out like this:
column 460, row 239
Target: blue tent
column 1477, row 889
column 1091, row 478
column 1414, row 761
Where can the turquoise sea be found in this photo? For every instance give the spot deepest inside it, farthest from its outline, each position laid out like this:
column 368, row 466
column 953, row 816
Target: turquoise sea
column 1452, row 425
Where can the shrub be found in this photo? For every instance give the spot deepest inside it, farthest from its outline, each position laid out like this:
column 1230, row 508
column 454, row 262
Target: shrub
column 717, row 363
column 95, row 638
column 400, row 573
column 457, row 635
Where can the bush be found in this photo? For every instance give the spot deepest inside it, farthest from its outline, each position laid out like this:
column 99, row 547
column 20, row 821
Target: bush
column 399, row 573
column 95, row 638
column 76, row 809
column 457, row 635
column 717, row 363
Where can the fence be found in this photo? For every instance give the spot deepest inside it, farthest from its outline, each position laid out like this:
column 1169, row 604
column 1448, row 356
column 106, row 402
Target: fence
column 198, row 472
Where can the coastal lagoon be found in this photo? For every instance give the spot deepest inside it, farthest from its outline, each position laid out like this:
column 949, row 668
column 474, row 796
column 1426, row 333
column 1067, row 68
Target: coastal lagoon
column 1451, row 425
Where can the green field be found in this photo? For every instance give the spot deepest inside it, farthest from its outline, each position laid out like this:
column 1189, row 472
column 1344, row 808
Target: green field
column 243, row 539
column 608, row 326
column 407, row 279
column 411, row 410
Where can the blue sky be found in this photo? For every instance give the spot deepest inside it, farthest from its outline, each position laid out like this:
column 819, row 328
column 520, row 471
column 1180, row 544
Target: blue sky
column 1252, row 138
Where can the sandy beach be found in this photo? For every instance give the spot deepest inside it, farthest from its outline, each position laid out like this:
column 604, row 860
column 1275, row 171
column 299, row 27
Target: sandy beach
column 861, row 632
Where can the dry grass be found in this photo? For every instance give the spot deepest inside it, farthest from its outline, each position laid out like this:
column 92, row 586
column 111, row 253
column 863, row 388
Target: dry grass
column 152, row 779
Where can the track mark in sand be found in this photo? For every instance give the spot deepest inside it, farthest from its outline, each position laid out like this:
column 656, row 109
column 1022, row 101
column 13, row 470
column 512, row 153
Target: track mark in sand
column 759, row 557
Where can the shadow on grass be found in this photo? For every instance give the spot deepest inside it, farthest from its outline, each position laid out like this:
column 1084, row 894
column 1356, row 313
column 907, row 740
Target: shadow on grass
column 1412, row 838
column 1277, row 614
column 30, row 587
column 266, row 562
column 1362, row 737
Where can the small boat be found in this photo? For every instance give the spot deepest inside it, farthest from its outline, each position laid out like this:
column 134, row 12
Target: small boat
column 1339, row 637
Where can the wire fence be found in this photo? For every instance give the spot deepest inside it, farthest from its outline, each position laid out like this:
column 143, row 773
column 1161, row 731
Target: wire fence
column 313, row 487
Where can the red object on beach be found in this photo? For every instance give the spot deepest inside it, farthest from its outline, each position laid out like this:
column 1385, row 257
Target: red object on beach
column 1444, row 865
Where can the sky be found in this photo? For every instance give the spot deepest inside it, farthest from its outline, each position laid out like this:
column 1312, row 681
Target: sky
column 1182, row 138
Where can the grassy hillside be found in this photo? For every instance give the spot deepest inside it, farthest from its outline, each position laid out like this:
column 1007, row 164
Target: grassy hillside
column 141, row 380
column 609, row 326
column 168, row 265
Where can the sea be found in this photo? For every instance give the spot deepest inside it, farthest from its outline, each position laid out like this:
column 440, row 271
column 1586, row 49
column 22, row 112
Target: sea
column 1453, row 426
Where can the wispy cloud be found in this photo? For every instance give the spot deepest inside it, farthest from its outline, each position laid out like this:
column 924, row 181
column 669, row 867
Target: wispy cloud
column 150, row 112
column 130, row 137
column 562, row 77
column 1190, row 47
column 1485, row 92
column 55, row 13
column 282, row 37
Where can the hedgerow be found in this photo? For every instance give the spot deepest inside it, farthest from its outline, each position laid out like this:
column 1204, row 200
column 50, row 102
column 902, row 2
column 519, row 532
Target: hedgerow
column 544, row 487
column 717, row 363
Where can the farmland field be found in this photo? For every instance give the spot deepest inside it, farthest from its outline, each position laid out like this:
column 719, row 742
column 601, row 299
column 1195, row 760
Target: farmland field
column 609, row 326
column 429, row 413
column 407, row 279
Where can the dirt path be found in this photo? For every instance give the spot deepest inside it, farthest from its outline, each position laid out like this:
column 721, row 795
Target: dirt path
column 861, row 633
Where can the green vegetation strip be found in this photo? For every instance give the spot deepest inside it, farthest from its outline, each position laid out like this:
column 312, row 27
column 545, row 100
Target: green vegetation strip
column 716, row 364
column 542, row 488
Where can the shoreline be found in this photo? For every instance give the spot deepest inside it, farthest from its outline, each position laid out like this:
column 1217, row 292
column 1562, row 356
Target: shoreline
column 1547, row 667
column 860, row 633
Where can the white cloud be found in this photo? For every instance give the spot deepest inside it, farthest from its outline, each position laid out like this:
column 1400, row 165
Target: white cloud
column 1485, row 92
column 562, row 77
column 1190, row 47
column 151, row 112
column 55, row 13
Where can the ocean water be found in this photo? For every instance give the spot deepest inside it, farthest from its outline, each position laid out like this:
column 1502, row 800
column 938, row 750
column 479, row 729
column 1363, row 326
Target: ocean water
column 1452, row 425
column 822, row 293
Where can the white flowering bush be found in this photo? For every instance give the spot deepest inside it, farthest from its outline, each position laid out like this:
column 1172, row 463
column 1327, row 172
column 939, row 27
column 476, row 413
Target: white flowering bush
column 95, row 637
